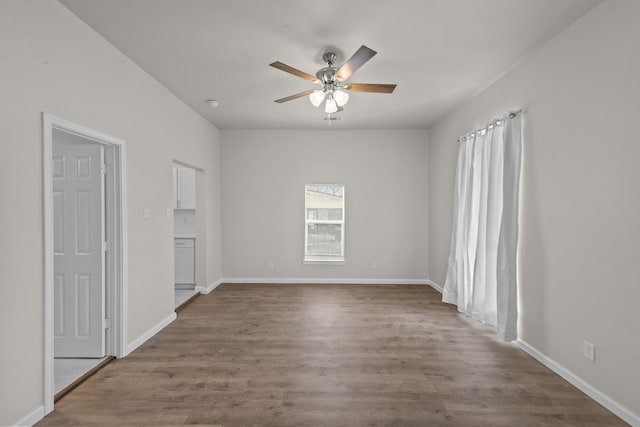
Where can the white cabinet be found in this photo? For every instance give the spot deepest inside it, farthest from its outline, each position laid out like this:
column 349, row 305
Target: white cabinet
column 185, row 257
column 184, row 188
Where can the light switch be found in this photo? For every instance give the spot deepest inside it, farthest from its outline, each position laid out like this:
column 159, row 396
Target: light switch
column 168, row 212
column 146, row 213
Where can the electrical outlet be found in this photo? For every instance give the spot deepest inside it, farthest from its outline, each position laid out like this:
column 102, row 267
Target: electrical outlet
column 374, row 265
column 589, row 351
column 271, row 266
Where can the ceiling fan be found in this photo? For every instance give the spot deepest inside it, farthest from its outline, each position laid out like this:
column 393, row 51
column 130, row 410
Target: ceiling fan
column 333, row 80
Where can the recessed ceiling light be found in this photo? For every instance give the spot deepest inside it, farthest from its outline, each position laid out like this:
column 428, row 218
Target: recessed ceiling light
column 213, row 103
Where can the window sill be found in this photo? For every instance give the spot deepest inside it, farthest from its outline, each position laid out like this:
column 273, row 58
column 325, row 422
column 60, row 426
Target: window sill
column 323, row 261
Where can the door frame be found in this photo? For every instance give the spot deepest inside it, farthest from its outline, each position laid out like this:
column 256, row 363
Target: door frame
column 116, row 258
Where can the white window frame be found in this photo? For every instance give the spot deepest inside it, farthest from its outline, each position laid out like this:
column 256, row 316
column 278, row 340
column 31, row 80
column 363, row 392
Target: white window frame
column 324, row 259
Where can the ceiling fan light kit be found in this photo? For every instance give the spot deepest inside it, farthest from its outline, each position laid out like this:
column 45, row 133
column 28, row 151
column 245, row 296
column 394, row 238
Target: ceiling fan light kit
column 334, row 89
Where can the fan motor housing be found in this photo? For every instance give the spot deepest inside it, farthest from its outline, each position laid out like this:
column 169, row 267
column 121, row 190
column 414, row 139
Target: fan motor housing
column 327, row 75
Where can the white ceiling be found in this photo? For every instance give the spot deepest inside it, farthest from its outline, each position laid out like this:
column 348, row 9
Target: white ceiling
column 439, row 52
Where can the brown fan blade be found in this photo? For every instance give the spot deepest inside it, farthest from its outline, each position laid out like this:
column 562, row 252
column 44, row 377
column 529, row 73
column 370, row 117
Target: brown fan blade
column 370, row 87
column 296, row 96
column 358, row 59
column 288, row 69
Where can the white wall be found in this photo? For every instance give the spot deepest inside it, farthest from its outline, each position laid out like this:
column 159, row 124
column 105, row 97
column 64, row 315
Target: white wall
column 52, row 62
column 580, row 238
column 385, row 178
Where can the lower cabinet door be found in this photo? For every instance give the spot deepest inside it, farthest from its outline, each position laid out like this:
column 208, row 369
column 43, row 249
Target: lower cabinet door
column 185, row 266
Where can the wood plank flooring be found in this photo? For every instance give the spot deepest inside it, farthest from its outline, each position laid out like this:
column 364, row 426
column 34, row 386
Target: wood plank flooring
column 326, row 355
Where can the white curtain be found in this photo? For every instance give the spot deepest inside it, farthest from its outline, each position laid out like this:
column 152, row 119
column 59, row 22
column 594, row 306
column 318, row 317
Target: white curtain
column 481, row 274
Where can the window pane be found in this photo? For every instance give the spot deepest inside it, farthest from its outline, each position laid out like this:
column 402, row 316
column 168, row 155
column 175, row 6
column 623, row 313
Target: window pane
column 324, row 239
column 324, row 202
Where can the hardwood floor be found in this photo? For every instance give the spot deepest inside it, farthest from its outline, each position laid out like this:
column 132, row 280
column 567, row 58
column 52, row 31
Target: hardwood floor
column 326, row 355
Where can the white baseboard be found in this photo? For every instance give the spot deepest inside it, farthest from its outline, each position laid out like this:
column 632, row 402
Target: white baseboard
column 272, row 280
column 620, row 410
column 32, row 418
column 151, row 332
column 435, row 286
column 209, row 288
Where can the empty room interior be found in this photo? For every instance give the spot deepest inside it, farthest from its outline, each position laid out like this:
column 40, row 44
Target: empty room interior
column 320, row 213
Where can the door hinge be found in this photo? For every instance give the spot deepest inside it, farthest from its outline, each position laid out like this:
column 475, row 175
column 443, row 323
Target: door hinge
column 106, row 323
column 106, row 247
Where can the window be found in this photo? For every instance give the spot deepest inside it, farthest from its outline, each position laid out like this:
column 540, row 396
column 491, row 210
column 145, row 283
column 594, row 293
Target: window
column 324, row 223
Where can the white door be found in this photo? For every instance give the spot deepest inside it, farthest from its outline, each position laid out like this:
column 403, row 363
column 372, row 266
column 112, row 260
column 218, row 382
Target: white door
column 79, row 273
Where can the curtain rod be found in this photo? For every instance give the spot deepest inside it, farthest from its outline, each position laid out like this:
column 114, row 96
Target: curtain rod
column 491, row 124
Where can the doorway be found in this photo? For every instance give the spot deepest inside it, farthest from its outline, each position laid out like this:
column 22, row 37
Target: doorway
column 185, row 211
column 84, row 248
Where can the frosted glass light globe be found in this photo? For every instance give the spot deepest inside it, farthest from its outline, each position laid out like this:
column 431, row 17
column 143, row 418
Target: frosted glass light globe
column 341, row 97
column 316, row 97
column 330, row 106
